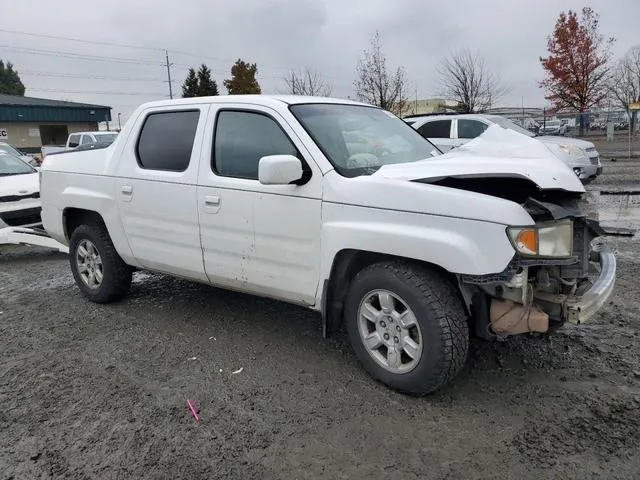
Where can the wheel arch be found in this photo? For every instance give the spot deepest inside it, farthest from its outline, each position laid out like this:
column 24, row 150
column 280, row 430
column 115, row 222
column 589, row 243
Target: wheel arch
column 73, row 217
column 346, row 264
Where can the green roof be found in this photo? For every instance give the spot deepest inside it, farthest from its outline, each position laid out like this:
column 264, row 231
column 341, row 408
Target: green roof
column 28, row 109
column 15, row 100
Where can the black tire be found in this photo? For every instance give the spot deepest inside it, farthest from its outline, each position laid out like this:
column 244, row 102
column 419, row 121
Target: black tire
column 117, row 275
column 440, row 315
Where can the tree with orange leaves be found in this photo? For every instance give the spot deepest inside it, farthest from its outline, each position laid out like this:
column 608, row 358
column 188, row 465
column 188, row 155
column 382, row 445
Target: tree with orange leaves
column 577, row 68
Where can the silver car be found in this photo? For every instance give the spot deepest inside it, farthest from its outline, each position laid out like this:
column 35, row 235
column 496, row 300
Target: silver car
column 451, row 131
column 553, row 127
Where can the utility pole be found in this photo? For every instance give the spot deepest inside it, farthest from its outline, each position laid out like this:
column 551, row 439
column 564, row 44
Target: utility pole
column 168, row 65
column 119, row 123
column 416, row 109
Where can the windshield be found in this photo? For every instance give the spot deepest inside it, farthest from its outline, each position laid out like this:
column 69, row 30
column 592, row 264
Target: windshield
column 358, row 140
column 506, row 123
column 4, row 147
column 553, row 123
column 10, row 165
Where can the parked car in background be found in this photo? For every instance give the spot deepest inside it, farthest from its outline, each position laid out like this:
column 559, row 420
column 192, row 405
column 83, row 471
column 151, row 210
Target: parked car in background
column 82, row 140
column 263, row 194
column 87, row 138
column 553, row 127
column 451, row 131
column 6, row 148
column 19, row 193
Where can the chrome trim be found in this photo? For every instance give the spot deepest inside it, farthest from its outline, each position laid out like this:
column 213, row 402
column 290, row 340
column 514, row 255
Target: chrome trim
column 581, row 309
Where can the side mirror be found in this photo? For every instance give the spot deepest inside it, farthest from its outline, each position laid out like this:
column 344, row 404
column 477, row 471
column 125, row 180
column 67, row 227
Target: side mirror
column 279, row 169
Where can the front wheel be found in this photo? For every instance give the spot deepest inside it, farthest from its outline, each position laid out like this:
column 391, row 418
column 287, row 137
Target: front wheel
column 98, row 270
column 407, row 326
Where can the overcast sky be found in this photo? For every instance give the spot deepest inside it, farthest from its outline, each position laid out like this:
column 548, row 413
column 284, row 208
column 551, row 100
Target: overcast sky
column 328, row 35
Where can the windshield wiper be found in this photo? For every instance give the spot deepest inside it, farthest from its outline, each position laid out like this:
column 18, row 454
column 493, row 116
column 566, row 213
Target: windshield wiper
column 12, row 174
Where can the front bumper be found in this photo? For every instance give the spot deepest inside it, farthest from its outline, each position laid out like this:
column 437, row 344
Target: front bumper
column 587, row 172
column 581, row 309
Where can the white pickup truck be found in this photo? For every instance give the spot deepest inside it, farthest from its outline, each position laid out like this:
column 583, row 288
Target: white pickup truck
column 262, row 194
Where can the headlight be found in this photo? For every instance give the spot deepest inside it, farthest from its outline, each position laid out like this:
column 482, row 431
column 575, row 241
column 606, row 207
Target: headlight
column 553, row 239
column 573, row 151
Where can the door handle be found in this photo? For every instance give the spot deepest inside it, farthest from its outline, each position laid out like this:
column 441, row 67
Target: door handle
column 212, row 200
column 126, row 189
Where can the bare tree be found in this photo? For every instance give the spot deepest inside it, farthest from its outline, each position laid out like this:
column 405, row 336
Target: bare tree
column 308, row 82
column 376, row 85
column 625, row 81
column 465, row 78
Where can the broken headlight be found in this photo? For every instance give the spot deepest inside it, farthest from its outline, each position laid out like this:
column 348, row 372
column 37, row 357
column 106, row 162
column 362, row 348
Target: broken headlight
column 551, row 239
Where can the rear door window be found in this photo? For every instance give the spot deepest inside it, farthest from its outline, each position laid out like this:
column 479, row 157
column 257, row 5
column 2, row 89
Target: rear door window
column 470, row 128
column 436, row 129
column 166, row 140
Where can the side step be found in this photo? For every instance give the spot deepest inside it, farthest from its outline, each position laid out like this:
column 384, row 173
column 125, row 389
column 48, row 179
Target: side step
column 30, row 236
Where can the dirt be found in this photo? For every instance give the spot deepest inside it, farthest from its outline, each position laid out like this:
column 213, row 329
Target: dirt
column 90, row 391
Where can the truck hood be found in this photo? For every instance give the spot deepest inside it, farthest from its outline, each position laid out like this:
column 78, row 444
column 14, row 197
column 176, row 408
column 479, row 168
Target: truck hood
column 497, row 153
column 19, row 185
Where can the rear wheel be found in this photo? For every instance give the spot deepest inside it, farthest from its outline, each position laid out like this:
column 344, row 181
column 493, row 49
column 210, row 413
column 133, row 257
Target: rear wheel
column 407, row 326
column 98, row 270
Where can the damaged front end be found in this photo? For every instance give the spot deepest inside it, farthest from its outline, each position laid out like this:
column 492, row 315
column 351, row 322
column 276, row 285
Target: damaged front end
column 560, row 271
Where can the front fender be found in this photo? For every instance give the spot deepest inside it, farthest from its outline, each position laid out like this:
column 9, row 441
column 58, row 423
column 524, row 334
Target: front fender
column 460, row 246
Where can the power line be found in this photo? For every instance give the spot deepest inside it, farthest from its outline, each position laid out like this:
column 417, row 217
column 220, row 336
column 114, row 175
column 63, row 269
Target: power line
column 125, row 45
column 71, row 39
column 148, row 94
column 78, row 56
column 86, row 77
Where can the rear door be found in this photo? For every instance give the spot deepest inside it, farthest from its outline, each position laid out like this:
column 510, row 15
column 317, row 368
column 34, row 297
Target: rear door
column 156, row 190
column 438, row 132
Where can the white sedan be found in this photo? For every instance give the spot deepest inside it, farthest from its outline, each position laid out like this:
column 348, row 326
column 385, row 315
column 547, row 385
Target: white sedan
column 6, row 148
column 19, row 193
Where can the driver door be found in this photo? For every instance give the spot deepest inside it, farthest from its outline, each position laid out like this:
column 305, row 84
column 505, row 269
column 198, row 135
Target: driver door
column 263, row 239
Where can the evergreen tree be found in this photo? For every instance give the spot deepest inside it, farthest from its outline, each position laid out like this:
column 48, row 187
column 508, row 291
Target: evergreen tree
column 10, row 83
column 243, row 79
column 190, row 85
column 206, row 85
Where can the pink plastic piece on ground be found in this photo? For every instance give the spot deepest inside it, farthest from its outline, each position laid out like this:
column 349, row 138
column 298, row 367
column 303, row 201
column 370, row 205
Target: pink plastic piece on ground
column 193, row 409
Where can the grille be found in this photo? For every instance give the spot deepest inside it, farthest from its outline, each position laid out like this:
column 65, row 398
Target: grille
column 19, row 218
column 594, row 160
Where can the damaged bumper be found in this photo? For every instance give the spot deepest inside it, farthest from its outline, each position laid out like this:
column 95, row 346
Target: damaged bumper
column 581, row 309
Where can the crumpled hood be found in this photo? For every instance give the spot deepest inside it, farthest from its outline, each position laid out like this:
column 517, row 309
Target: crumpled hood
column 19, row 185
column 565, row 141
column 498, row 152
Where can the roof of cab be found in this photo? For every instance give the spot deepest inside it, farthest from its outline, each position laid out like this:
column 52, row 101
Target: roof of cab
column 258, row 99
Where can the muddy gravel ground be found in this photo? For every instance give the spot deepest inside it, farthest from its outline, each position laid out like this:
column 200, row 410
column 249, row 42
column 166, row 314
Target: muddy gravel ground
column 89, row 391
